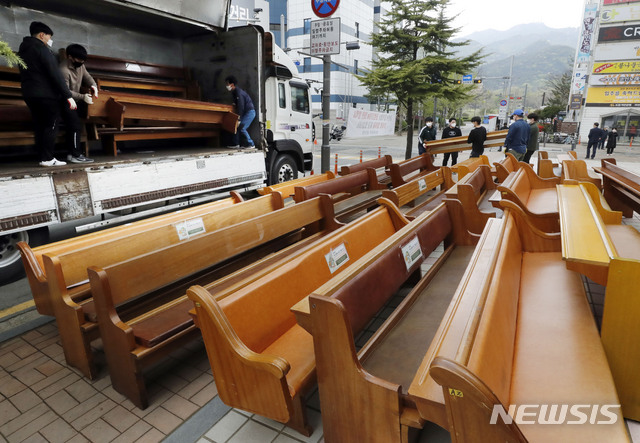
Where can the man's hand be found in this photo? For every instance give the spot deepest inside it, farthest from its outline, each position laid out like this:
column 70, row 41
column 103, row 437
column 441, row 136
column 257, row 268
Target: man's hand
column 72, row 104
column 94, row 90
column 87, row 99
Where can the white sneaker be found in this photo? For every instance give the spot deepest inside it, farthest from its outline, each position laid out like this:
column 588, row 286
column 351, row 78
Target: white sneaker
column 53, row 162
column 79, row 159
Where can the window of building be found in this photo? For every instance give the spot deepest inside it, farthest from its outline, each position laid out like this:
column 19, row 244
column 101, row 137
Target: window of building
column 355, row 67
column 307, row 25
column 282, row 96
column 299, row 99
column 357, row 30
column 306, row 67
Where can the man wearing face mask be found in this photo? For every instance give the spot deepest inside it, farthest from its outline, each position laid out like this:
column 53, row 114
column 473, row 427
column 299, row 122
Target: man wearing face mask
column 427, row 134
column 449, row 132
column 43, row 89
column 534, row 144
column 518, row 136
column 244, row 108
column 76, row 76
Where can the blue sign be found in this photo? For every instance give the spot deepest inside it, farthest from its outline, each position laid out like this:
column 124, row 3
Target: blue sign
column 466, row 79
column 503, row 103
column 324, row 8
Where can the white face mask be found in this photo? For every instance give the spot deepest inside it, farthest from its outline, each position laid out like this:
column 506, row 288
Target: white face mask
column 429, row 125
column 229, row 88
column 530, row 121
column 50, row 43
column 453, row 125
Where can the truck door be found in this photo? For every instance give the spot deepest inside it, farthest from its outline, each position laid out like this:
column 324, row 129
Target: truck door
column 300, row 115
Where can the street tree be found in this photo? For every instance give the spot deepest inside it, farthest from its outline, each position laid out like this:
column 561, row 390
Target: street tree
column 558, row 88
column 417, row 58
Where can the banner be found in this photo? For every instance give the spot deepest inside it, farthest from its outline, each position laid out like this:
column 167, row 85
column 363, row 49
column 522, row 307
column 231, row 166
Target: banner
column 615, row 96
column 617, row 51
column 620, row 13
column 363, row 123
column 616, row 67
column 615, row 80
column 587, row 33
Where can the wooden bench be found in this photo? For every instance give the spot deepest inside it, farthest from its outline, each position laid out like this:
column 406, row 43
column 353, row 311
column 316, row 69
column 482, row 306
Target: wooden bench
column 381, row 164
column 32, row 258
column 536, row 196
column 351, row 193
column 469, row 199
column 364, row 393
column 471, row 164
column 287, row 189
column 577, row 170
column 621, row 187
column 408, row 170
column 164, row 275
column 506, row 166
column 456, row 144
column 413, row 191
column 534, row 342
column 251, row 336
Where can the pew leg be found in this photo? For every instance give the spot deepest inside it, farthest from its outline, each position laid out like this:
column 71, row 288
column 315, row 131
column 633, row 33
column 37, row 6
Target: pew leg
column 76, row 344
column 109, row 145
column 298, row 420
column 127, row 379
column 616, row 203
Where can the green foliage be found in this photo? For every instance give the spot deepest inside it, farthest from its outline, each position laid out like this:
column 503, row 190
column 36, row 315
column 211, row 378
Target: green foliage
column 559, row 87
column 416, row 58
column 551, row 111
column 11, row 57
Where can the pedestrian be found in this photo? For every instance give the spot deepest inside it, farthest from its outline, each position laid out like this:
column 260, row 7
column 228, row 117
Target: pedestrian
column 518, row 135
column 632, row 133
column 451, row 131
column 534, row 132
column 611, row 142
column 427, row 134
column 76, row 76
column 595, row 134
column 43, row 89
column 604, row 137
column 477, row 137
column 244, row 108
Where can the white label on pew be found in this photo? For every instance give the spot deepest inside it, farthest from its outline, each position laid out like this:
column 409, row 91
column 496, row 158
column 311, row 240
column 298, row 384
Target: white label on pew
column 189, row 228
column 133, row 67
column 337, row 257
column 412, row 252
column 422, row 184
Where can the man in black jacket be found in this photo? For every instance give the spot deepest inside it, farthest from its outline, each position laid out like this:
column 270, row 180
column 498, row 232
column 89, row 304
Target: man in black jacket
column 595, row 135
column 44, row 90
column 244, row 108
column 448, row 132
column 477, row 137
column 427, row 134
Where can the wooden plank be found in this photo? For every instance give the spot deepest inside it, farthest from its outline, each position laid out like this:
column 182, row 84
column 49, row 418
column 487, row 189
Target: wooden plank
column 456, row 144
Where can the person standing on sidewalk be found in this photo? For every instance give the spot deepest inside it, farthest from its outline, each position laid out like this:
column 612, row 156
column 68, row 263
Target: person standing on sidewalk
column 427, row 134
column 518, row 135
column 611, row 143
column 534, row 133
column 595, row 135
column 449, row 132
column 604, row 137
column 244, row 108
column 43, row 89
column 477, row 137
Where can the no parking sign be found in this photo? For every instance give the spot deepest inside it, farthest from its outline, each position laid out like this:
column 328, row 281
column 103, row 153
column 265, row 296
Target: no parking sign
column 324, row 8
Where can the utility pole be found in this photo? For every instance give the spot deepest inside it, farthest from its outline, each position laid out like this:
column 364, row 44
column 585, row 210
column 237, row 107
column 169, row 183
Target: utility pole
column 325, row 150
column 509, row 87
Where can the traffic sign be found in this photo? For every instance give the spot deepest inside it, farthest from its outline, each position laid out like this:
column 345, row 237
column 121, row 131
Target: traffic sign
column 503, row 103
column 325, row 36
column 324, row 8
column 467, row 79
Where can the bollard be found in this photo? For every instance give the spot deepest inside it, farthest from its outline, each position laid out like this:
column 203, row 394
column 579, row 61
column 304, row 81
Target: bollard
column 573, row 143
column 360, row 155
column 336, row 168
column 379, row 151
column 312, row 172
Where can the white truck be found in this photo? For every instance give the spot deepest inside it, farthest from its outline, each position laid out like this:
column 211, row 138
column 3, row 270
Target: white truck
column 106, row 193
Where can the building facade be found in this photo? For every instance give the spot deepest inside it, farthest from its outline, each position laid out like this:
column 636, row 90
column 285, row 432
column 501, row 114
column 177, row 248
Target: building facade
column 606, row 75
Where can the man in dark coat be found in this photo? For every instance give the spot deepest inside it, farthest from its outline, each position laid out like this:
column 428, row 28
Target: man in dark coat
column 595, row 135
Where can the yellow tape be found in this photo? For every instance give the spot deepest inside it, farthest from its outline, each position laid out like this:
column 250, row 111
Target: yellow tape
column 17, row 308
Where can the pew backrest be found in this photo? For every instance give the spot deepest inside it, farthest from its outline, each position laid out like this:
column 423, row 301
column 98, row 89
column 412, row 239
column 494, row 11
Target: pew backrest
column 414, row 189
column 376, row 163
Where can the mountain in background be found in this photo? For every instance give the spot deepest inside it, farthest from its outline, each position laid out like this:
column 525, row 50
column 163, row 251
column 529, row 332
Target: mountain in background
column 539, row 52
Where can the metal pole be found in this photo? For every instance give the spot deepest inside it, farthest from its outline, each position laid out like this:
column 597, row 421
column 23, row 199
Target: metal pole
column 325, row 151
column 509, row 87
column 524, row 101
column 283, row 35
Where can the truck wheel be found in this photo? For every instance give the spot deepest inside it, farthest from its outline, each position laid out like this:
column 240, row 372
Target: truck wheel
column 284, row 169
column 11, row 268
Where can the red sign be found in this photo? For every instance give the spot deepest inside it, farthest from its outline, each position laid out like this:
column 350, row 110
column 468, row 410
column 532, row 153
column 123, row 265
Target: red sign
column 615, row 2
column 326, row 8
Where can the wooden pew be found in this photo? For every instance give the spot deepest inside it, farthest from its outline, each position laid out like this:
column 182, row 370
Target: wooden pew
column 545, row 165
column 536, row 196
column 471, row 164
column 287, row 189
column 251, row 336
column 408, row 170
column 506, row 166
column 133, row 342
column 365, row 391
column 351, row 193
column 469, row 199
column 577, row 170
column 381, row 164
column 409, row 193
column 621, row 188
column 455, row 144
column 34, row 267
column 534, row 343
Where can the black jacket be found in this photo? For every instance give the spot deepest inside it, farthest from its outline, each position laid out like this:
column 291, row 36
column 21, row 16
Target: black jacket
column 242, row 101
column 42, row 78
column 477, row 137
column 449, row 132
column 595, row 135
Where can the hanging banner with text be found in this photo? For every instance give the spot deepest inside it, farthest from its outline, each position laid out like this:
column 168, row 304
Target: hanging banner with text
column 587, row 33
column 363, row 123
column 615, row 96
column 616, row 67
column 325, row 36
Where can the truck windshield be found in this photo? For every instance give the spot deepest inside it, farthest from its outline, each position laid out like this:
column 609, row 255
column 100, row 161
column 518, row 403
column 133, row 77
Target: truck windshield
column 299, row 99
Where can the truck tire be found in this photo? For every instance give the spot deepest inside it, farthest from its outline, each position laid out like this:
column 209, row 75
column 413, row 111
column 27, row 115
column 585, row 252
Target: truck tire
column 11, row 268
column 284, row 169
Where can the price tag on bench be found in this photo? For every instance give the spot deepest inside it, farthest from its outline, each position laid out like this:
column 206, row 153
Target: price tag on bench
column 337, row 257
column 189, row 228
column 422, row 184
column 134, row 67
column 412, row 252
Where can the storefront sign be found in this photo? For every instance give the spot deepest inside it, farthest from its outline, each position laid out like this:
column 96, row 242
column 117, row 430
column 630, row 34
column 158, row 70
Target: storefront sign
column 615, row 2
column 617, row 33
column 620, row 13
column 615, row 96
column 615, row 80
column 576, row 101
column 628, row 66
column 617, row 51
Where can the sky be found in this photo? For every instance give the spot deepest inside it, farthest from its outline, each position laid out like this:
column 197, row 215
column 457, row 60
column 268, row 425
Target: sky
column 479, row 15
